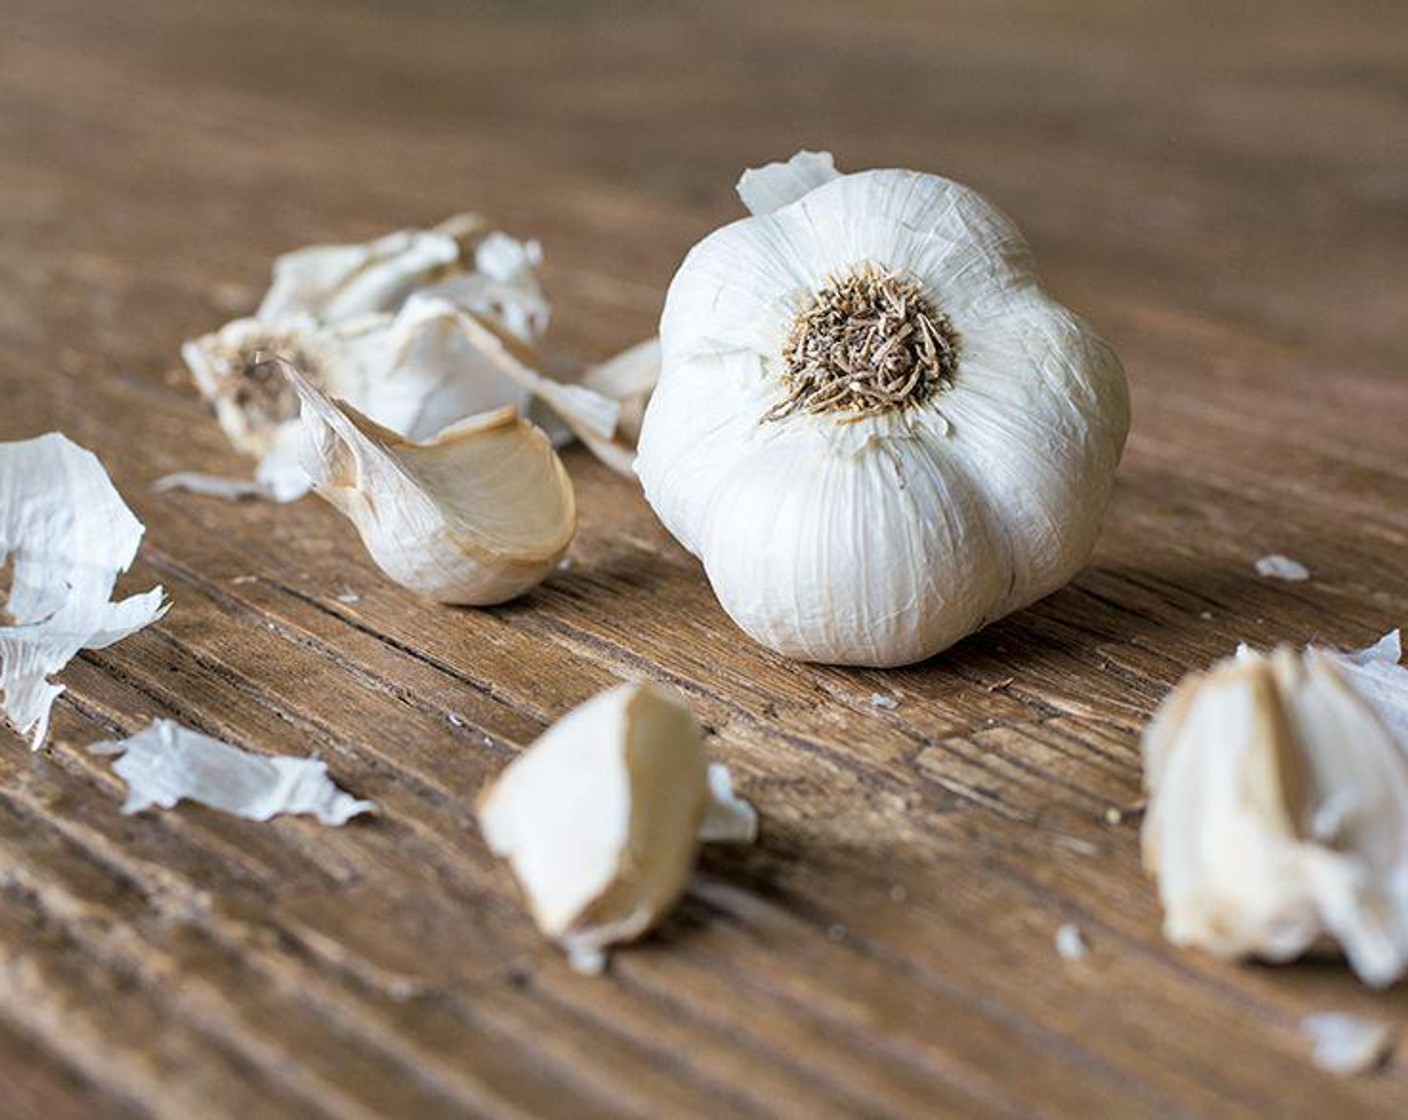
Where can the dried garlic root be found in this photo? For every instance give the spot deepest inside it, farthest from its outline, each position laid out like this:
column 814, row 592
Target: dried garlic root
column 477, row 515
column 1278, row 807
column 601, row 817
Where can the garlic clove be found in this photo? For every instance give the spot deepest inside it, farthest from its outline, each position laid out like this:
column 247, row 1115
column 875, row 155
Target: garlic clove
column 600, row 818
column 1278, row 814
column 476, row 515
column 68, row 535
column 775, row 185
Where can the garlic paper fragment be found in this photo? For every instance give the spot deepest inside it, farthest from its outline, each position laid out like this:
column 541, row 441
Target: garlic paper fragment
column 872, row 426
column 476, row 515
column 1346, row 1045
column 1278, row 807
column 600, row 818
column 68, row 535
column 166, row 763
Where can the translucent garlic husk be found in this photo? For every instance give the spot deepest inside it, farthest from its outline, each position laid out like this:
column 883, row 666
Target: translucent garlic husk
column 877, row 540
column 476, row 515
column 1278, row 807
column 600, row 818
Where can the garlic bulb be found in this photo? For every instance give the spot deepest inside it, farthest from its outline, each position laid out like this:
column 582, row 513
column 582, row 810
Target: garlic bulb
column 601, row 816
column 476, row 515
column 1278, row 807
column 873, row 427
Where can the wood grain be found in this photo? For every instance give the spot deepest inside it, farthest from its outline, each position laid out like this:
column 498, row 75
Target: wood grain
column 1225, row 194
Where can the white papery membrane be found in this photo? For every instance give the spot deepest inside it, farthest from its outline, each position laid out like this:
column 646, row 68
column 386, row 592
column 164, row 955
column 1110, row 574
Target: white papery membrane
column 166, row 763
column 67, row 535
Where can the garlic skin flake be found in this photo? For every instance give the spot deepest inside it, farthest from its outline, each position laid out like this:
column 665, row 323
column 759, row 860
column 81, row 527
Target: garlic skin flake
column 600, row 818
column 476, row 515
column 166, row 763
column 69, row 535
column 1278, row 809
column 959, row 471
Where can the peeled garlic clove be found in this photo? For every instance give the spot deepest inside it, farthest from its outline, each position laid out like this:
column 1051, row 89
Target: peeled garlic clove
column 872, row 426
column 476, row 515
column 68, row 535
column 1278, row 813
column 600, row 818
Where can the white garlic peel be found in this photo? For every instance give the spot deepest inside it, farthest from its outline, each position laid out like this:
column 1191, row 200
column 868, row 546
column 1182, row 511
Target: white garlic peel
column 1278, row 808
column 476, row 515
column 875, row 517
column 68, row 535
column 600, row 818
column 165, row 763
column 364, row 323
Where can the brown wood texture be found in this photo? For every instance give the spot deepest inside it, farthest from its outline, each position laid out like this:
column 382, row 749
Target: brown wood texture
column 1224, row 192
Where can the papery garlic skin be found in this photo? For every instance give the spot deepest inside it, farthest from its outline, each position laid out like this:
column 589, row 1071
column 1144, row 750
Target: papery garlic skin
column 69, row 535
column 477, row 515
column 600, row 818
column 1278, row 813
column 883, row 539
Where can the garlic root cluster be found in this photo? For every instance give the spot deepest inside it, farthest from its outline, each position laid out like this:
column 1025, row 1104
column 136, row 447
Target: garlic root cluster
column 1278, row 807
column 873, row 427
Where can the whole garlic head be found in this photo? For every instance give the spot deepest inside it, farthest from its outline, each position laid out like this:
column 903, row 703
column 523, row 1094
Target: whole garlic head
column 873, row 427
column 1278, row 807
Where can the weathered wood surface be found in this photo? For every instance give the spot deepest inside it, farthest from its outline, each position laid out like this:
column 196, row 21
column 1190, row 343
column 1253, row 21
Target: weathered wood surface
column 1225, row 195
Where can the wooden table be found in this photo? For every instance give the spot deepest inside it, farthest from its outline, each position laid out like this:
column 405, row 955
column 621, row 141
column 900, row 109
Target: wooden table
column 1224, row 194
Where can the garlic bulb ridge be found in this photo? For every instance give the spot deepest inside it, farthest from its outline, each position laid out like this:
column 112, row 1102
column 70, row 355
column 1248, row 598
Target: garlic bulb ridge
column 873, row 427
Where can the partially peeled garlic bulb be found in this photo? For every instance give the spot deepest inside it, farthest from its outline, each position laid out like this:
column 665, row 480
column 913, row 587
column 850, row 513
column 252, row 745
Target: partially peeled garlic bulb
column 417, row 330
column 600, row 818
column 1278, row 807
column 476, row 515
column 872, row 425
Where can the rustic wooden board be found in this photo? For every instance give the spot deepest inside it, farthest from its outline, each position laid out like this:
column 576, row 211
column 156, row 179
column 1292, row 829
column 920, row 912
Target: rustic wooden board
column 1225, row 195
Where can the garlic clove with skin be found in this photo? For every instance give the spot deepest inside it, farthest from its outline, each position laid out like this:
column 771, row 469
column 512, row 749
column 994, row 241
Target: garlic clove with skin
column 1278, row 809
column 600, row 818
column 476, row 515
column 871, row 425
